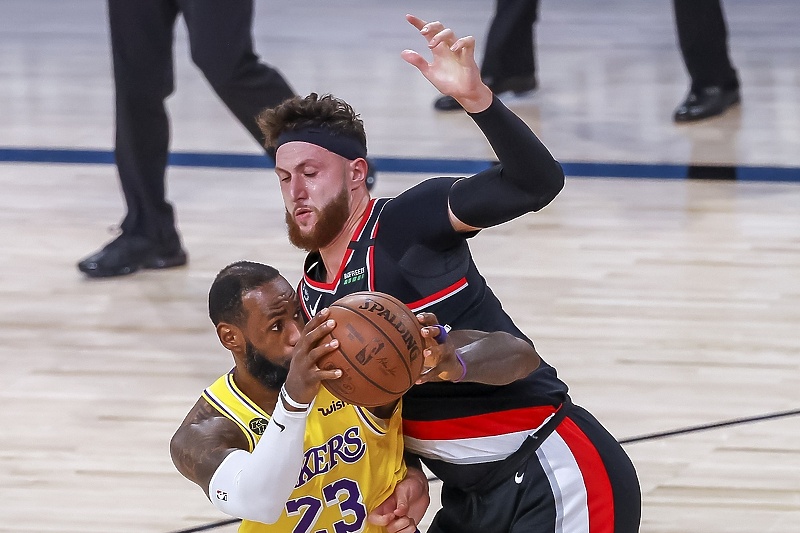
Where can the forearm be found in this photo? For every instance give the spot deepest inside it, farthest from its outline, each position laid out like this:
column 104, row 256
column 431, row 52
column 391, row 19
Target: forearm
column 255, row 486
column 526, row 162
column 527, row 179
column 496, row 358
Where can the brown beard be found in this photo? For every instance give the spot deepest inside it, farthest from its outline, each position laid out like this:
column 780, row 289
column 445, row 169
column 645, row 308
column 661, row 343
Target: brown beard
column 330, row 221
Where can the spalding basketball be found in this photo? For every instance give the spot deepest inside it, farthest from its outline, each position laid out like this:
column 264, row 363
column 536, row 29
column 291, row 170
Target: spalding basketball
column 380, row 349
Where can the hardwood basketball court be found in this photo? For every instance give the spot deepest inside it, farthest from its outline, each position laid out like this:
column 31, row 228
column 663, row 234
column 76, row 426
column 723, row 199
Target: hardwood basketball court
column 665, row 303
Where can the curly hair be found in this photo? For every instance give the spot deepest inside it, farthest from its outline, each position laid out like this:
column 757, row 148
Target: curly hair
column 311, row 111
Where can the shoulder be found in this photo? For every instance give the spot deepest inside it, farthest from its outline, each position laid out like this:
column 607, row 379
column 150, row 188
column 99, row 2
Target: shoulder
column 203, row 420
column 420, row 212
column 436, row 189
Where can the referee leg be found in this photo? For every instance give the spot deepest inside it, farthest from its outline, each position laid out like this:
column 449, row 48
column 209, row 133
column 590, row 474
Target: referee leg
column 221, row 41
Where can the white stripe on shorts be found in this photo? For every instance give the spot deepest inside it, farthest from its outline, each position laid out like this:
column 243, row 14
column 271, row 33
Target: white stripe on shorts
column 572, row 515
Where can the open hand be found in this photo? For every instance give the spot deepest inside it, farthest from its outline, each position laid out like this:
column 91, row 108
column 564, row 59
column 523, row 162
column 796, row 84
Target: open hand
column 453, row 71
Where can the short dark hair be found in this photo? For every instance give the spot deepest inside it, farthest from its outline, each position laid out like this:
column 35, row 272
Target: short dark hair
column 231, row 284
column 311, row 111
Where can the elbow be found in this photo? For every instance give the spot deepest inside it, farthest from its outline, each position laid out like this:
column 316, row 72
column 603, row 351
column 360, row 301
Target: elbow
column 259, row 509
column 532, row 362
column 528, row 359
column 265, row 516
column 555, row 184
column 559, row 180
column 256, row 502
column 526, row 366
column 177, row 451
column 548, row 186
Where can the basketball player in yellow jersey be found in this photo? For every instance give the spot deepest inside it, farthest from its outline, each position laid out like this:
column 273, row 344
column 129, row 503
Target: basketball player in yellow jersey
column 269, row 445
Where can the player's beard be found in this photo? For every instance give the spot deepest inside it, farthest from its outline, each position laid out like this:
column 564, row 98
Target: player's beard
column 265, row 371
column 331, row 218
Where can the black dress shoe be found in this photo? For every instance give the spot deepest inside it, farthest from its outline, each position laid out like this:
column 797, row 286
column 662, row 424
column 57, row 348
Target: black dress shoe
column 518, row 85
column 706, row 103
column 128, row 253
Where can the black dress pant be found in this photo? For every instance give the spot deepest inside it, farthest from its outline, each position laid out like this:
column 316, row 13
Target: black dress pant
column 703, row 38
column 220, row 38
column 510, row 48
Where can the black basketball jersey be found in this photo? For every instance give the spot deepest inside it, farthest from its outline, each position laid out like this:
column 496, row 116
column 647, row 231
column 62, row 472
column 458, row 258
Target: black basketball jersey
column 406, row 247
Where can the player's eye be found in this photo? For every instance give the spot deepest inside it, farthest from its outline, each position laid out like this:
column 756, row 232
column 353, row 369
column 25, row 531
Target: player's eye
column 275, row 327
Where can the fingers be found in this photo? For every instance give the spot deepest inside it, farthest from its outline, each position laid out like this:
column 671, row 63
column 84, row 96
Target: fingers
column 402, row 524
column 427, row 319
column 433, row 335
column 402, row 506
column 392, row 523
column 432, row 28
column 383, row 513
column 379, row 519
column 316, row 329
column 415, row 21
column 318, row 319
column 428, row 366
column 326, row 371
column 464, row 45
column 435, row 32
column 413, row 58
column 435, row 332
column 446, row 37
column 317, row 342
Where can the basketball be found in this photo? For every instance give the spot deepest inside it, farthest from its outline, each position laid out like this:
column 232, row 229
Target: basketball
column 380, row 349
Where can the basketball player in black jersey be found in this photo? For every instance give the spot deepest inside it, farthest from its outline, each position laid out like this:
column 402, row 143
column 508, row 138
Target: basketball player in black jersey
column 512, row 458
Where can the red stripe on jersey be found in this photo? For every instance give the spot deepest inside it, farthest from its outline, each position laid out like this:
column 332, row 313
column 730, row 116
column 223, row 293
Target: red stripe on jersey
column 364, row 219
column 302, row 303
column 599, row 495
column 371, row 268
column 489, row 424
column 441, row 295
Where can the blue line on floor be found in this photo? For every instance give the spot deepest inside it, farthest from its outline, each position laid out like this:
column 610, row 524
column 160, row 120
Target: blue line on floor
column 420, row 165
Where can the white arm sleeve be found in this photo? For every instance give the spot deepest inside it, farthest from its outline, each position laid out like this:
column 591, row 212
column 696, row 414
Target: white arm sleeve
column 255, row 486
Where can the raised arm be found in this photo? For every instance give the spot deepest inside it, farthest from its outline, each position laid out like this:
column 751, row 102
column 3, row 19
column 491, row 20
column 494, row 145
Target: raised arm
column 527, row 178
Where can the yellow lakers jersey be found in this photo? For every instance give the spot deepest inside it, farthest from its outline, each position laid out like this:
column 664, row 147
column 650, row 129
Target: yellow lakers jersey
column 353, row 460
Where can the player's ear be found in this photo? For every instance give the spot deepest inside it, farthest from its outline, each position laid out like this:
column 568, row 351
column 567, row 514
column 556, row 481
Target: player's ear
column 358, row 172
column 231, row 337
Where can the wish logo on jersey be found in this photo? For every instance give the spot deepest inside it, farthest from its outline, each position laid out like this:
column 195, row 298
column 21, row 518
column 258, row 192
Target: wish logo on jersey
column 332, row 408
column 348, row 447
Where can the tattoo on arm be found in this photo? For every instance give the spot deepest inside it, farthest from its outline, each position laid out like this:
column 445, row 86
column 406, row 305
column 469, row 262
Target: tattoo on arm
column 203, row 441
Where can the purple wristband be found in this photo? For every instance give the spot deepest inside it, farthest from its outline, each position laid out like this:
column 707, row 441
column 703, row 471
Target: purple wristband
column 441, row 338
column 463, row 365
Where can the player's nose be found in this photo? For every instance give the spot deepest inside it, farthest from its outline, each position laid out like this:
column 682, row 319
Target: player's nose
column 294, row 331
column 297, row 188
